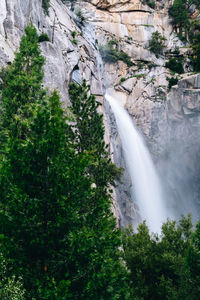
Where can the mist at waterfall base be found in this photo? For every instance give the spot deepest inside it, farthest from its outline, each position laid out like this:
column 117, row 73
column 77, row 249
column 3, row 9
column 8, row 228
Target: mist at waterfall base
column 179, row 168
column 146, row 188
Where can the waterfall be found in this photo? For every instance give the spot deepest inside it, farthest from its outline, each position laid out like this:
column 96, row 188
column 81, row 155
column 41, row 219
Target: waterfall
column 146, row 189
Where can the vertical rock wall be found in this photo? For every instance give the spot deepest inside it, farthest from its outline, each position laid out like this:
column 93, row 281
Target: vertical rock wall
column 64, row 59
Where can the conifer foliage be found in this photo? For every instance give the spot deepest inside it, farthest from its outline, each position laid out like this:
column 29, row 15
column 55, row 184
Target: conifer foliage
column 56, row 228
column 89, row 134
column 165, row 266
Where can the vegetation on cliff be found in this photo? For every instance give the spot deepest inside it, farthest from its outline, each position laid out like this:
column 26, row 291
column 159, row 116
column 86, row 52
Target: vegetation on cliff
column 187, row 26
column 157, row 43
column 46, row 6
column 194, row 37
column 150, row 3
column 111, row 53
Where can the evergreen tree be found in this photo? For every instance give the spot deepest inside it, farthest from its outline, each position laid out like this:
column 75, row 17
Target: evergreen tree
column 55, row 224
column 194, row 37
column 89, row 136
column 21, row 81
column 178, row 12
column 46, row 6
column 193, row 263
column 157, row 265
column 157, row 43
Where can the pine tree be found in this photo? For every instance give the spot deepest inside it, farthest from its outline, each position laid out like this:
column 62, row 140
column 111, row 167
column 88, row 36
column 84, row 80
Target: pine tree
column 157, row 43
column 56, row 227
column 178, row 12
column 46, row 6
column 105, row 277
column 89, row 134
column 21, row 82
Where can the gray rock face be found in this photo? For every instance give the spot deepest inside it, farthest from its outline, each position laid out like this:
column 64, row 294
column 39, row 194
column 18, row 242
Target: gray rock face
column 65, row 60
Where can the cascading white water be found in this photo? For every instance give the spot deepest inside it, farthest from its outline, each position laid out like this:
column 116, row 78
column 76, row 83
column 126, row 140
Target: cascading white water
column 145, row 182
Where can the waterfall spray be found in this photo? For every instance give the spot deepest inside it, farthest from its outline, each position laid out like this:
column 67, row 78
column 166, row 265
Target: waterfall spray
column 145, row 183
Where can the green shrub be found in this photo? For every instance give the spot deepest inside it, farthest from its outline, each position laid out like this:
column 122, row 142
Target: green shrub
column 153, row 79
column 151, row 65
column 113, row 43
column 179, row 14
column 108, row 55
column 172, row 81
column 122, row 79
column 175, row 64
column 157, row 43
column 45, row 6
column 43, row 38
column 150, row 3
column 111, row 54
column 176, row 51
column 74, row 41
column 80, row 15
column 182, row 38
column 74, row 33
column 125, row 58
column 138, row 76
column 140, row 65
column 194, row 37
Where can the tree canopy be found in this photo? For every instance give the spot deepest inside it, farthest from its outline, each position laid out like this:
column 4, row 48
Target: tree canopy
column 166, row 266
